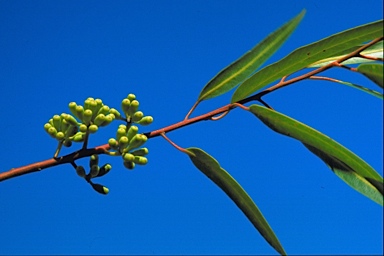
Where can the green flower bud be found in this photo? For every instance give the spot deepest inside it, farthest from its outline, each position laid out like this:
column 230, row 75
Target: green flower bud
column 140, row 152
column 113, row 143
column 129, row 165
column 137, row 116
column 60, row 136
column 93, row 128
column 47, row 126
column 78, row 137
column 108, row 119
column 88, row 102
column 80, row 171
column 133, row 107
column 120, row 133
column 72, row 107
column 57, row 122
column 93, row 160
column 132, row 131
column 100, row 188
column 115, row 112
column 104, row 170
column 87, row 116
column 123, row 143
column 99, row 119
column 52, row 131
column 125, row 104
column 64, row 125
column 99, row 103
column 140, row 160
column 131, row 97
column 83, row 128
column 80, row 112
column 128, row 157
column 103, row 110
column 70, row 119
column 137, row 141
column 123, row 126
column 94, row 171
column 146, row 120
column 93, row 108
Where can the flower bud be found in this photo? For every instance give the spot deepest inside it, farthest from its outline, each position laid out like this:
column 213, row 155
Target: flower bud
column 137, row 116
column 100, row 188
column 93, row 128
column 93, row 160
column 113, row 143
column 94, row 171
column 128, row 157
column 146, row 120
column 129, row 165
column 80, row 171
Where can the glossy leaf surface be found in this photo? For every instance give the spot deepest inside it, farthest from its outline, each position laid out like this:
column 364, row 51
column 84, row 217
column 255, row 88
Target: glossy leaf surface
column 348, row 166
column 375, row 51
column 212, row 169
column 239, row 70
column 350, row 177
column 373, row 71
column 306, row 55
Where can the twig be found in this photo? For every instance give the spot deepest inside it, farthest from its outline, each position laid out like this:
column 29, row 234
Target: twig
column 215, row 118
column 174, row 144
column 191, row 110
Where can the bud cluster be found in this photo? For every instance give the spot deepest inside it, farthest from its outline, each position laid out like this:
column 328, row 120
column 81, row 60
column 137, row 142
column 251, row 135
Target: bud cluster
column 130, row 107
column 95, row 171
column 62, row 128
column 88, row 118
column 127, row 144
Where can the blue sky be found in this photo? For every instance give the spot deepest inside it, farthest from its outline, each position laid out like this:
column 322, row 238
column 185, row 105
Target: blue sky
column 55, row 52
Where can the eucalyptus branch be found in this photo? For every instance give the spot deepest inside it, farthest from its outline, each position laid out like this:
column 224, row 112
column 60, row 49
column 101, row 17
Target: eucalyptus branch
column 103, row 149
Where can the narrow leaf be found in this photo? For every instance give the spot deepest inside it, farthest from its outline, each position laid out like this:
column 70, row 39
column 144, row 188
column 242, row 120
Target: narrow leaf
column 372, row 190
column 373, row 71
column 239, row 70
column 361, row 88
column 306, row 55
column 331, row 152
column 375, row 51
column 212, row 169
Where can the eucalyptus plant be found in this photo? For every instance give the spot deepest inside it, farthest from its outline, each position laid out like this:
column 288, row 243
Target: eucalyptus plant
column 359, row 49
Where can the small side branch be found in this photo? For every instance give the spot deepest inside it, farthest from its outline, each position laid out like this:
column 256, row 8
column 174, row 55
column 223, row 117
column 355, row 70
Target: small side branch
column 191, row 110
column 174, row 144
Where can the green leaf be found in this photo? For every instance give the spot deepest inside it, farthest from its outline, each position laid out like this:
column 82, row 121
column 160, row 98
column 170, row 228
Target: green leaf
column 375, row 51
column 239, row 70
column 356, row 181
column 373, row 72
column 361, row 88
column 212, row 169
column 306, row 55
column 348, row 166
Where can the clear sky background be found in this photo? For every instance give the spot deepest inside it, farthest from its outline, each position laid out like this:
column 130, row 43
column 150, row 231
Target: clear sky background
column 55, row 52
